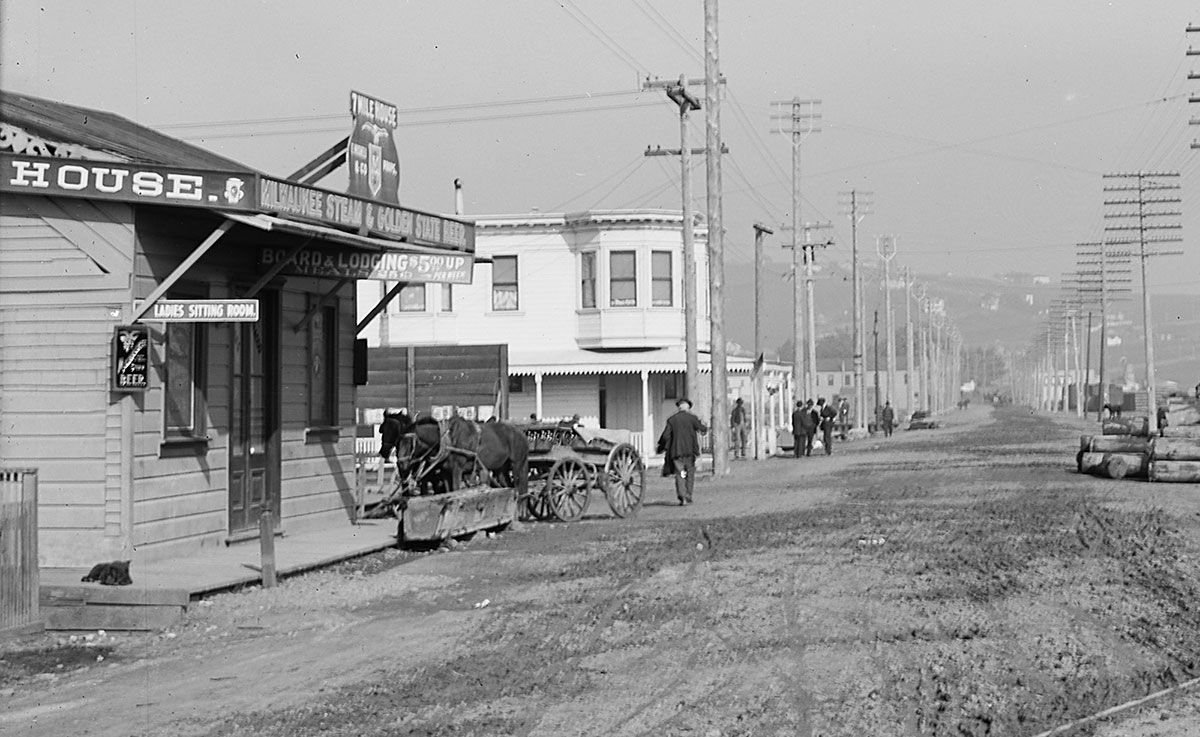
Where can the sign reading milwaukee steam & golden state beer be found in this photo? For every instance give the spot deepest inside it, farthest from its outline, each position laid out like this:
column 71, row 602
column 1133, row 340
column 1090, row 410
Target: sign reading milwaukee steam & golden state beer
column 386, row 266
column 371, row 152
column 127, row 182
column 377, row 219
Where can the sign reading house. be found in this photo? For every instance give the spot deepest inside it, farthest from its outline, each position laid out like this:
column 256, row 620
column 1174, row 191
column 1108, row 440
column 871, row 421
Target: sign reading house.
column 128, row 182
column 203, row 310
column 385, row 266
column 371, row 153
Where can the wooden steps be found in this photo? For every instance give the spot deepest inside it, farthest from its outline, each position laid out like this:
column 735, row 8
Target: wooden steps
column 91, row 606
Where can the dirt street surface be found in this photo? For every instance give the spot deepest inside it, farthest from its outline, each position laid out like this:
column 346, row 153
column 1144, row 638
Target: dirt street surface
column 958, row 581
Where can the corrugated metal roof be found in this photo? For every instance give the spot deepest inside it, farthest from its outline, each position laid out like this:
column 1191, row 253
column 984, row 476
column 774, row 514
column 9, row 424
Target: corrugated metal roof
column 105, row 131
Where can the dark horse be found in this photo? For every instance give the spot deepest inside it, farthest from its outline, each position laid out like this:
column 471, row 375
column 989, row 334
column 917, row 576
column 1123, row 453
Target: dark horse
column 416, row 444
column 500, row 448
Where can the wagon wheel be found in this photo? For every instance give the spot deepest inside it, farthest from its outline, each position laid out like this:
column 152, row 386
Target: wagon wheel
column 537, row 505
column 567, row 486
column 624, row 480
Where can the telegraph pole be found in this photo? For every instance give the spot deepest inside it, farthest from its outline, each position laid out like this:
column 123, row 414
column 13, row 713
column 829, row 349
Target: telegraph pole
column 875, row 334
column 679, row 94
column 799, row 117
column 1111, row 267
column 908, row 339
column 716, row 244
column 756, row 408
column 810, row 303
column 886, row 245
column 858, row 208
column 1135, row 225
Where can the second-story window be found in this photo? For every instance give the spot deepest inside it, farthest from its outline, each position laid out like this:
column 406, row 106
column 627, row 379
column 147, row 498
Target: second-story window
column 412, row 298
column 504, row 283
column 661, row 281
column 622, row 279
column 587, row 279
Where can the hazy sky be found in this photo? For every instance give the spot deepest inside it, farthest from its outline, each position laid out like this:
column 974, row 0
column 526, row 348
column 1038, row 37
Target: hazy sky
column 982, row 128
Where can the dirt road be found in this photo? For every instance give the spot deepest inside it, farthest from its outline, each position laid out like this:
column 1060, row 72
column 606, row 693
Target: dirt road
column 960, row 581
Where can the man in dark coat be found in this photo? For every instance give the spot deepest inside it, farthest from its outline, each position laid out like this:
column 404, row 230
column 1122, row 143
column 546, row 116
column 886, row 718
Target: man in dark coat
column 888, row 416
column 798, row 429
column 811, row 421
column 828, row 416
column 680, row 447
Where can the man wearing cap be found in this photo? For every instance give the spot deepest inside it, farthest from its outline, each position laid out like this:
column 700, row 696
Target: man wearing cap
column 680, row 447
column 738, row 429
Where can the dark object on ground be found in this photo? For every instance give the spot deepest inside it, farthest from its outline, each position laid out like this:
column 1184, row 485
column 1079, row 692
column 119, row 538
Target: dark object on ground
column 115, row 573
column 921, row 421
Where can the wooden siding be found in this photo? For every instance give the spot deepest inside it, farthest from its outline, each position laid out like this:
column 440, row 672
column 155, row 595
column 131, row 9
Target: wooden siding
column 63, row 284
column 465, row 375
column 181, row 499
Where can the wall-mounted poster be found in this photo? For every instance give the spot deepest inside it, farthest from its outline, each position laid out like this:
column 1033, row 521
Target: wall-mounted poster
column 130, row 367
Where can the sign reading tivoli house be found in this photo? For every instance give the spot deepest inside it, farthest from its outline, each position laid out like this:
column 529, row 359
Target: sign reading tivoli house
column 371, row 152
column 385, row 266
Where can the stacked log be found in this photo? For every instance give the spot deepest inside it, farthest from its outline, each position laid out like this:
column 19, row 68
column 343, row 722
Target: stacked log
column 1139, row 426
column 1175, row 460
column 1114, row 456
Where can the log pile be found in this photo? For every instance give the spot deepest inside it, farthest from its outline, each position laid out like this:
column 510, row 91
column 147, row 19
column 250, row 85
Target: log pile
column 1124, row 450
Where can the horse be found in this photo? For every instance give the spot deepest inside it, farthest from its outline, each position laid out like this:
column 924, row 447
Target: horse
column 414, row 442
column 501, row 450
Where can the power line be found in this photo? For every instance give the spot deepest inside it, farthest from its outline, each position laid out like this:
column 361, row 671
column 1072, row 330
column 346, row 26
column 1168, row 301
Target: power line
column 407, row 111
column 600, row 34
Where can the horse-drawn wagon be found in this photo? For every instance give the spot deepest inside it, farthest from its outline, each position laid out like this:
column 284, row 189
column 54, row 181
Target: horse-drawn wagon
column 567, row 463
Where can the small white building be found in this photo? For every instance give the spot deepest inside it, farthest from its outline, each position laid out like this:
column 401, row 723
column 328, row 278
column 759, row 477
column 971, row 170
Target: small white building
column 591, row 307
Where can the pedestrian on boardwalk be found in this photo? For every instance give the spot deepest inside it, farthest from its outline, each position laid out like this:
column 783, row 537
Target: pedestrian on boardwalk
column 889, row 419
column 738, row 428
column 680, row 448
column 798, row 429
column 843, row 414
column 828, row 416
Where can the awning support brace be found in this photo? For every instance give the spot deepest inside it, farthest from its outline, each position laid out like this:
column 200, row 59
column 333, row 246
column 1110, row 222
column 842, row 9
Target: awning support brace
column 303, row 173
column 180, row 270
column 274, row 270
column 380, row 307
column 324, row 300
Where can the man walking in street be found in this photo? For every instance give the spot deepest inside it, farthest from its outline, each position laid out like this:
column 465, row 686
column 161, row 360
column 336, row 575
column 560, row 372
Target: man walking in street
column 798, row 429
column 738, row 425
column 828, row 416
column 888, row 417
column 680, row 446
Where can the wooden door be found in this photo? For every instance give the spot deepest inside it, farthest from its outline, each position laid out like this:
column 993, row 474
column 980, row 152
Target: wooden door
column 253, row 431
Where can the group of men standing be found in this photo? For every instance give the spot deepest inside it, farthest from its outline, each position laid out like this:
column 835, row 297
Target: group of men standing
column 807, row 419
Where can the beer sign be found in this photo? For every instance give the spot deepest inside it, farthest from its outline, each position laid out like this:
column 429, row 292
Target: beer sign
column 130, row 367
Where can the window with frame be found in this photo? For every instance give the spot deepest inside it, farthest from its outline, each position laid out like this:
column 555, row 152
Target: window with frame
column 622, row 279
column 411, row 298
column 587, row 280
column 322, row 365
column 831, row 380
column 183, row 381
column 662, row 282
column 447, row 291
column 504, row 283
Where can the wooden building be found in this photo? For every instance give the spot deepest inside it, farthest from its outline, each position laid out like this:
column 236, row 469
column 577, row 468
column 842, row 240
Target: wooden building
column 157, row 433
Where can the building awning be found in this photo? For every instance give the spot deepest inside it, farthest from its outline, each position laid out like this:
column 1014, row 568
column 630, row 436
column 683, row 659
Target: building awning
column 659, row 361
column 333, row 235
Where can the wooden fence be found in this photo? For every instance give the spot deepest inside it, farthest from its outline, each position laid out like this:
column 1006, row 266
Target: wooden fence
column 18, row 552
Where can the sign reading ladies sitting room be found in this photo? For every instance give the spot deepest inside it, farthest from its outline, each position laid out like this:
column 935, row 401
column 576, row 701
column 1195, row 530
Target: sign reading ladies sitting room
column 386, row 266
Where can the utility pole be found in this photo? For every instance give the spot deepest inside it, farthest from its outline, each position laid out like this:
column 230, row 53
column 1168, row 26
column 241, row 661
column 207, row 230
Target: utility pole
column 1193, row 76
column 756, row 408
column 886, row 245
column 810, row 302
column 1105, row 267
column 875, row 333
column 1135, row 225
column 679, row 94
column 858, row 207
column 716, row 244
column 908, row 341
column 799, row 116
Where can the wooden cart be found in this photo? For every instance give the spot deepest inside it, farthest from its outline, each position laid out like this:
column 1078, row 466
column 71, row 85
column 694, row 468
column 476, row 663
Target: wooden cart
column 567, row 463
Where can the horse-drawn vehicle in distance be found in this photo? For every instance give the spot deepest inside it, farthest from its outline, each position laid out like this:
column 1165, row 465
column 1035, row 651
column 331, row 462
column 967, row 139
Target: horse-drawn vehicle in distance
column 568, row 462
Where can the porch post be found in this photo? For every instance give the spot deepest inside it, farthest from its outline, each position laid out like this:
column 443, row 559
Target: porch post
column 537, row 395
column 647, row 419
